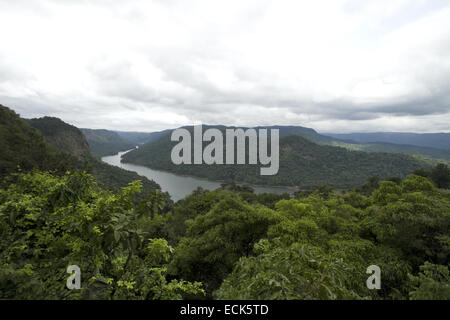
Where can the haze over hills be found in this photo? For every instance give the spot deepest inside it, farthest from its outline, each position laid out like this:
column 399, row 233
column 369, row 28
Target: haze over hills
column 416, row 147
column 429, row 140
column 424, row 152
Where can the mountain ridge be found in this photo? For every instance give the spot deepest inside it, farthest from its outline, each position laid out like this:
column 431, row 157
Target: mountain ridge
column 438, row 140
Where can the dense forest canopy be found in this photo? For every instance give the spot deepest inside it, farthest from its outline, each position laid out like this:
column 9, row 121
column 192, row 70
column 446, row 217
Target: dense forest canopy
column 222, row 244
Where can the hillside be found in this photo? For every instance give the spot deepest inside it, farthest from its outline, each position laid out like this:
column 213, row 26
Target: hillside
column 430, row 153
column 105, row 142
column 425, row 151
column 24, row 148
column 302, row 163
column 107, row 176
column 428, row 140
column 65, row 137
column 394, row 145
column 58, row 147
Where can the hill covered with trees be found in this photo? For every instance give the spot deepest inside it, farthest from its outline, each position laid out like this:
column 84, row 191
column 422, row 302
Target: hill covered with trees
column 302, row 163
column 428, row 146
column 25, row 148
column 65, row 137
column 50, row 144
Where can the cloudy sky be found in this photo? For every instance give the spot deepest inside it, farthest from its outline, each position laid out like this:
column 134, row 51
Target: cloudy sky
column 336, row 66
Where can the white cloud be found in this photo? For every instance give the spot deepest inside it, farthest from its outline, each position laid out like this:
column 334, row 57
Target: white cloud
column 148, row 65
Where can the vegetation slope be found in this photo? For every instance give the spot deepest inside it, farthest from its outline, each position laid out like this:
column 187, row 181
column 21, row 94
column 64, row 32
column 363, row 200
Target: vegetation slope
column 302, row 163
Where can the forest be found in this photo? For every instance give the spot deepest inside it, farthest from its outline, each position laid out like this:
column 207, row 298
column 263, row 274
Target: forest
column 303, row 163
column 222, row 244
column 134, row 242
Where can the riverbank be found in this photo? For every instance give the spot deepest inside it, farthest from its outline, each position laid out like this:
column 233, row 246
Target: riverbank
column 179, row 186
column 241, row 183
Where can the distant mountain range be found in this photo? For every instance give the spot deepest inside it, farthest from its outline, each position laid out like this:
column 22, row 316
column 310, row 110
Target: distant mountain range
column 428, row 140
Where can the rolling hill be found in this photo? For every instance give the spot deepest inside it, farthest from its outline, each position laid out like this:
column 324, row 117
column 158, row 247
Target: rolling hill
column 396, row 145
column 302, row 163
column 427, row 152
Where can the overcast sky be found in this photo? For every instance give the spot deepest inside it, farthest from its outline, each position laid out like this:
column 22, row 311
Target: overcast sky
column 335, row 66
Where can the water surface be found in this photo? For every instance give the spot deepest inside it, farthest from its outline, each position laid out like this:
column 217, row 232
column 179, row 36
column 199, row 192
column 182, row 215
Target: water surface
column 178, row 186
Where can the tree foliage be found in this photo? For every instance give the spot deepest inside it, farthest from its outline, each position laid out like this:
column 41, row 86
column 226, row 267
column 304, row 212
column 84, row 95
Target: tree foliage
column 48, row 223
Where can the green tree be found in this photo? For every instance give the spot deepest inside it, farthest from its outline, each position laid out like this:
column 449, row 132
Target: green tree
column 432, row 283
column 441, row 176
column 413, row 218
column 299, row 271
column 48, row 223
column 216, row 240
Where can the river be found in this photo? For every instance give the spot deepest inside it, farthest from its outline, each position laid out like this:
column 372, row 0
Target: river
column 178, row 186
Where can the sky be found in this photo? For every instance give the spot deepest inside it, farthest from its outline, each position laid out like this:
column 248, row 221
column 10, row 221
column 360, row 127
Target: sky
column 139, row 65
